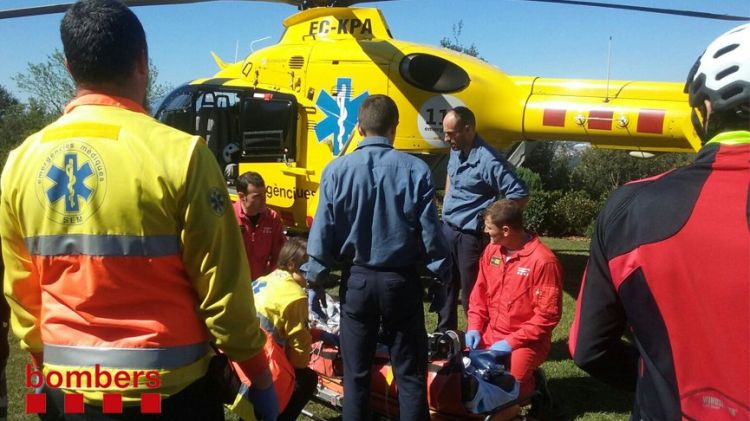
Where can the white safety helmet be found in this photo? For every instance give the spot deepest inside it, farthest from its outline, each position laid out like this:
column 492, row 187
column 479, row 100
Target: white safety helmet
column 230, row 150
column 722, row 74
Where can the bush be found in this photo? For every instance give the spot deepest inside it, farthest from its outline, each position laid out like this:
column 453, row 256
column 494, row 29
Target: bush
column 575, row 211
column 533, row 180
column 539, row 213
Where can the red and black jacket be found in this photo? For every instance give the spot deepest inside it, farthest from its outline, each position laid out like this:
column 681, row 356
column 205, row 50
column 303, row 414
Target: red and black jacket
column 670, row 261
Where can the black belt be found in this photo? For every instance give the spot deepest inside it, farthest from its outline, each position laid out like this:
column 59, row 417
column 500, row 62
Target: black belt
column 396, row 269
column 464, row 231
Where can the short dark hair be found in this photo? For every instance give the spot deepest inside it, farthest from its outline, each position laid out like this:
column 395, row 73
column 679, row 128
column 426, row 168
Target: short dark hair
column 248, row 178
column 103, row 41
column 505, row 212
column 293, row 252
column 377, row 115
column 464, row 117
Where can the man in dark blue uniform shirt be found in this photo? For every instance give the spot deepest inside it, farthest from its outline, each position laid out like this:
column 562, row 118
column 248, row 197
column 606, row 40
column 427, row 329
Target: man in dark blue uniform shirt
column 376, row 216
column 477, row 175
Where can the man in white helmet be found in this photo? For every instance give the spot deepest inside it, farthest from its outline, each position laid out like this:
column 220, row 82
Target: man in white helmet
column 670, row 263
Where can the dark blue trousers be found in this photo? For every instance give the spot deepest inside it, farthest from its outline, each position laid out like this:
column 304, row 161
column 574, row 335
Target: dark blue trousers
column 466, row 248
column 372, row 298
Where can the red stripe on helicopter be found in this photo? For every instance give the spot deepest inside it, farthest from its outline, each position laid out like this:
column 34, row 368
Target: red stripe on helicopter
column 263, row 96
column 600, row 119
column 651, row 121
column 554, row 118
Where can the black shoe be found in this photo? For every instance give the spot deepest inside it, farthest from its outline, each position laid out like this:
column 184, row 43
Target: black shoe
column 542, row 405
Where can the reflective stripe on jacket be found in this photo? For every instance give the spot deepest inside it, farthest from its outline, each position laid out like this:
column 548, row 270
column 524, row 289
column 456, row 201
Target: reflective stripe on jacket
column 122, row 251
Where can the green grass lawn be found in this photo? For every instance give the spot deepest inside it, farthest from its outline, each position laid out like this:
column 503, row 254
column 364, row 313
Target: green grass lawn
column 579, row 396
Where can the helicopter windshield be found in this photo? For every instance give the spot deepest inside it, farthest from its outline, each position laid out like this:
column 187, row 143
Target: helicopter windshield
column 239, row 124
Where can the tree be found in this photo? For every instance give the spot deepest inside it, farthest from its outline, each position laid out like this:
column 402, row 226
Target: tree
column 601, row 171
column 454, row 43
column 7, row 100
column 552, row 161
column 17, row 121
column 50, row 84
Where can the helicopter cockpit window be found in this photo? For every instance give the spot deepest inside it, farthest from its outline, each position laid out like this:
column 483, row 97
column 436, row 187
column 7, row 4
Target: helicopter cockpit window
column 176, row 109
column 268, row 129
column 217, row 121
column 432, row 73
column 239, row 124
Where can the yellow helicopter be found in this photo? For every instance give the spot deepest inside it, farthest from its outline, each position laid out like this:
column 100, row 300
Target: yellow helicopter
column 287, row 110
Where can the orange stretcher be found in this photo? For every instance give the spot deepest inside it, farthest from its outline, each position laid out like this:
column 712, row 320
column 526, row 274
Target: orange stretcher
column 444, row 387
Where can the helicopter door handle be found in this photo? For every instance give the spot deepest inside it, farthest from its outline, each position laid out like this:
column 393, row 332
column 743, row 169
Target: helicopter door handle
column 621, row 120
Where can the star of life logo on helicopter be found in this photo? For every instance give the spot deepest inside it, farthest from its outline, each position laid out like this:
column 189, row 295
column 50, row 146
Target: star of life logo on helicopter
column 341, row 114
column 71, row 183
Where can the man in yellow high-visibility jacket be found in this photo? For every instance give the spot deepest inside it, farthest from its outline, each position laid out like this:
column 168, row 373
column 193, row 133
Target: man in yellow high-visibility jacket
column 122, row 251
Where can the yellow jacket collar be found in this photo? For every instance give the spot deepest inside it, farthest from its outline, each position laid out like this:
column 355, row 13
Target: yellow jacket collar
column 103, row 99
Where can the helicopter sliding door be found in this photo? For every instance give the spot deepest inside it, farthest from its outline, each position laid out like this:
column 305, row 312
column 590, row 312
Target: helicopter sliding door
column 268, row 127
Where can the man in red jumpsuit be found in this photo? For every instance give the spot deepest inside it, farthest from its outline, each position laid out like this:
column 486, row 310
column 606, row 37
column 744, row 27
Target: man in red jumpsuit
column 262, row 230
column 669, row 264
column 517, row 299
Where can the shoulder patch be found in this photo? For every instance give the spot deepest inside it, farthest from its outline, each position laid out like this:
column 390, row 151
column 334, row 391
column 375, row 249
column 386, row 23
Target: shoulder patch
column 496, row 260
column 217, row 200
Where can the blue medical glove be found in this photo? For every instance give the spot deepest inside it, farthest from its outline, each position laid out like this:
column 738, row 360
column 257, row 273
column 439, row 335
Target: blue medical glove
column 472, row 339
column 265, row 402
column 502, row 346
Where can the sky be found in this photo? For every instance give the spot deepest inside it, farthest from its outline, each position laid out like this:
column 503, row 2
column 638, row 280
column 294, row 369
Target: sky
column 521, row 38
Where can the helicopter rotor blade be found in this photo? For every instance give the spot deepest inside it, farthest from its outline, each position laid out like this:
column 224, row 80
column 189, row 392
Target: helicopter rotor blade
column 62, row 7
column 676, row 12
column 305, row 4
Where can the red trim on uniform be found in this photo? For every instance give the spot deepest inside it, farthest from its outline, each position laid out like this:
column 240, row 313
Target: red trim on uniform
column 108, row 100
column 600, row 119
column 651, row 121
column 653, row 178
column 554, row 118
column 573, row 335
column 623, row 266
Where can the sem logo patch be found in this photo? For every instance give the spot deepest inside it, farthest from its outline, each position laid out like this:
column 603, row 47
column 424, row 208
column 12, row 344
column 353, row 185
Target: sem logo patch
column 495, row 260
column 341, row 114
column 217, row 200
column 71, row 183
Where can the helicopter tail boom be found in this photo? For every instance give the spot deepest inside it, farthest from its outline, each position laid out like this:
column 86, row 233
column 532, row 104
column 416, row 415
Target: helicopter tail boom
column 652, row 116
